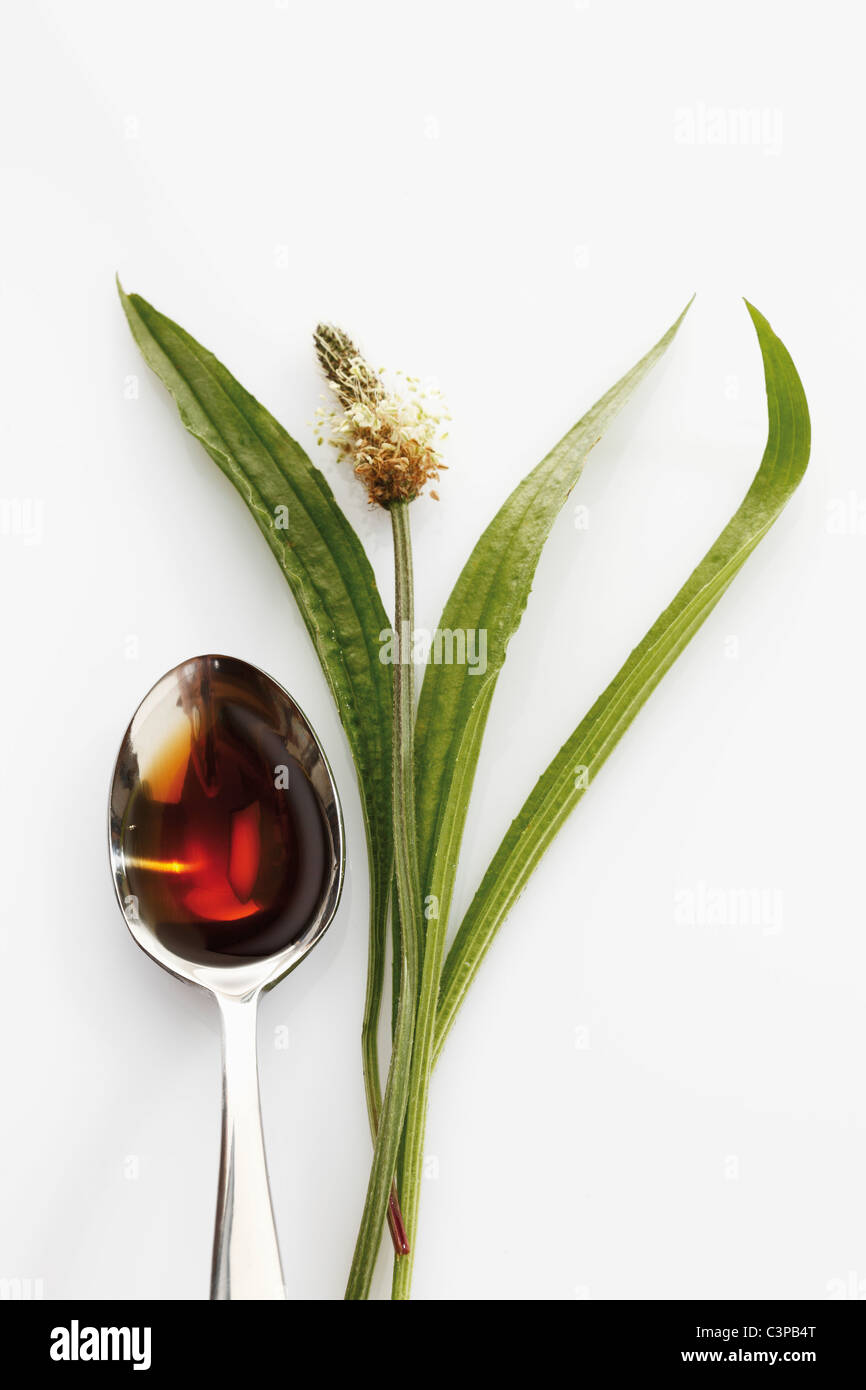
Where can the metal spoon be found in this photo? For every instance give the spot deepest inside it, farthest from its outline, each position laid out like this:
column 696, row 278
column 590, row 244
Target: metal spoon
column 243, row 952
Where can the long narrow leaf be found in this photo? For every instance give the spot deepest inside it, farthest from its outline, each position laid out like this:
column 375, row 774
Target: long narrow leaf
column 488, row 600
column 559, row 789
column 489, row 597
column 319, row 554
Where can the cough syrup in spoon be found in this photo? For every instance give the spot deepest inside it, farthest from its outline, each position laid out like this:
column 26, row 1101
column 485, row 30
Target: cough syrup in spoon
column 225, row 847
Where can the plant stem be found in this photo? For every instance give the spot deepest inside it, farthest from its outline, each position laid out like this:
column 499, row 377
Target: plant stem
column 370, row 1050
column 419, row 1086
column 393, row 1110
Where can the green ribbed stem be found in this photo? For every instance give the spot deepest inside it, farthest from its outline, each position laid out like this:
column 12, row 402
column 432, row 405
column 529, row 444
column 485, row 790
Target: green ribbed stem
column 393, row 1109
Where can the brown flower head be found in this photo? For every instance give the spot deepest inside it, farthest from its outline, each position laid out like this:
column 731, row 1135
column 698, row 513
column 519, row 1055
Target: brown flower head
column 390, row 438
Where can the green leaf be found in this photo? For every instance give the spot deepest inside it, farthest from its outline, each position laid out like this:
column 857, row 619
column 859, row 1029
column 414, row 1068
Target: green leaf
column 555, row 794
column 489, row 597
column 323, row 561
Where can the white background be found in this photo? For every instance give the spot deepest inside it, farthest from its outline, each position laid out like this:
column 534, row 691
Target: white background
column 515, row 199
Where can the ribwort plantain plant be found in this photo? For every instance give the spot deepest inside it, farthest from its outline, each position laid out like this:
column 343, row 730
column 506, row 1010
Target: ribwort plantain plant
column 391, row 443
column 416, row 770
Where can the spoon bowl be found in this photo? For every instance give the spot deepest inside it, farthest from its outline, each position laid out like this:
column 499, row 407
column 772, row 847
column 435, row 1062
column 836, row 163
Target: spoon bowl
column 227, row 850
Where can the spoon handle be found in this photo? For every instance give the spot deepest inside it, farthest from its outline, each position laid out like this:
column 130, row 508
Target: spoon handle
column 246, row 1256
